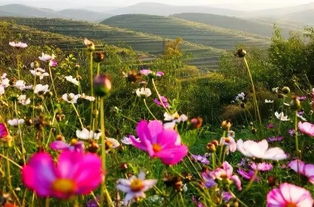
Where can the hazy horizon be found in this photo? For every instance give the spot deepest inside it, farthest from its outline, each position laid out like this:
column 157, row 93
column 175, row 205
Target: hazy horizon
column 228, row 4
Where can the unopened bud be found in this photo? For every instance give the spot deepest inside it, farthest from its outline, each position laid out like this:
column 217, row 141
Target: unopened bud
column 240, row 53
column 98, row 57
column 102, row 85
column 285, row 90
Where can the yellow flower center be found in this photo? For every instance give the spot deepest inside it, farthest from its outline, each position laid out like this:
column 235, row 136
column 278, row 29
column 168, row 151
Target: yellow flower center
column 157, row 147
column 136, row 185
column 108, row 144
column 290, row 204
column 64, row 185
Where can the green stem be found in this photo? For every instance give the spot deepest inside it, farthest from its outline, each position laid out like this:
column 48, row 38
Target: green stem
column 296, row 135
column 151, row 113
column 78, row 115
column 52, row 82
column 159, row 96
column 91, row 77
column 254, row 92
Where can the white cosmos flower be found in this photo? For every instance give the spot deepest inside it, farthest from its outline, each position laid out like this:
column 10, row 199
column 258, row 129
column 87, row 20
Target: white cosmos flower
column 146, row 92
column 72, row 80
column 281, row 116
column 16, row 122
column 86, row 134
column 70, row 97
column 39, row 88
column 260, row 150
column 173, row 119
column 22, row 99
column 135, row 187
column 45, row 57
column 127, row 140
column 5, row 82
column 269, row 101
column 21, row 85
column 2, row 90
column 41, row 73
column 18, row 44
column 88, row 98
column 111, row 143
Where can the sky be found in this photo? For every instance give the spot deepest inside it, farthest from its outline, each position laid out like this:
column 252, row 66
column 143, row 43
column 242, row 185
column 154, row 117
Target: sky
column 231, row 4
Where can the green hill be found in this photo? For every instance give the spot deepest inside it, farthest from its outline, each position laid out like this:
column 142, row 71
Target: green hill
column 203, row 56
column 250, row 26
column 171, row 27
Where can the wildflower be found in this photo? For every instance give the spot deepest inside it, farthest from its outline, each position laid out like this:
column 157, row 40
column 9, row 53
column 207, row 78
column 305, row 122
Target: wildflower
column 275, row 139
column 143, row 92
column 263, row 166
column 275, row 90
column 4, row 82
column 75, row 145
column 196, row 122
column 269, row 101
column 127, row 139
column 72, row 80
column 146, row 72
column 132, row 76
column 306, row 128
column 41, row 89
column 53, row 63
column 291, row 132
column 160, row 73
column 270, row 126
column 71, row 97
column 75, row 173
column 16, row 122
column 102, row 85
column 160, row 142
column 226, row 196
column 45, row 57
column 86, row 134
column 173, row 119
column 89, row 44
column 303, row 169
column 135, row 187
column 229, row 142
column 98, row 57
column 21, row 85
column 240, row 97
column 41, row 73
column 260, row 150
column 88, row 98
column 4, row 132
column 247, row 174
column 281, row 116
column 200, row 158
column 18, row 44
column 111, row 143
column 289, row 195
column 163, row 103
column 224, row 172
column 22, row 99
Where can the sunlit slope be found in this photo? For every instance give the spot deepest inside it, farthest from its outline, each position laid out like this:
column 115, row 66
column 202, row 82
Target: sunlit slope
column 201, row 55
column 171, row 27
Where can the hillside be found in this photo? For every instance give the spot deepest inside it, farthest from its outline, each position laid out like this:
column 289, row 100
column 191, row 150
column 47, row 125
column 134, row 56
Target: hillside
column 171, row 27
column 18, row 10
column 250, row 26
column 205, row 57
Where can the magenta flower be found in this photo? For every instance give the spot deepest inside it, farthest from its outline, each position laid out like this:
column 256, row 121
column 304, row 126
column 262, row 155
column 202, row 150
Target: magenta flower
column 160, row 73
column 275, row 139
column 225, row 172
column 4, row 132
column 289, row 195
column 53, row 63
column 247, row 174
column 163, row 103
column 74, row 173
column 306, row 128
column 75, row 145
column 146, row 72
column 263, row 166
column 159, row 142
column 200, row 158
column 303, row 169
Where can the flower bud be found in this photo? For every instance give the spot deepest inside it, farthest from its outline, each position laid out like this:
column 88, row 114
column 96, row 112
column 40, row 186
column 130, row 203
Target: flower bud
column 98, row 57
column 295, row 103
column 89, row 44
column 240, row 53
column 285, row 90
column 197, row 122
column 211, row 147
column 102, row 85
column 226, row 124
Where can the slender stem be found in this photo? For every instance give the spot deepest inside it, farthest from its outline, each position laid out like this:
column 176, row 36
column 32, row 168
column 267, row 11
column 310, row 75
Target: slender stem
column 52, row 82
column 47, row 202
column 159, row 96
column 91, row 77
column 254, row 92
column 8, row 159
column 148, row 109
column 296, row 135
column 78, row 115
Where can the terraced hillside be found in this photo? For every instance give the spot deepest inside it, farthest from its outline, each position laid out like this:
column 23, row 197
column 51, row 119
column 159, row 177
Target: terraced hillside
column 250, row 26
column 203, row 56
column 171, row 27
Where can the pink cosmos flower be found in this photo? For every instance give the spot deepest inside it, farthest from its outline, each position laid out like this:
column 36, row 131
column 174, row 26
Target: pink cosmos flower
column 225, row 172
column 289, row 195
column 303, row 169
column 159, row 142
column 4, row 132
column 306, row 128
column 61, row 145
column 53, row 63
column 263, row 166
column 163, row 103
column 74, row 173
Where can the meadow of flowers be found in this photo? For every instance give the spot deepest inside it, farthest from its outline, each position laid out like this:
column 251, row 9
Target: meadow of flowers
column 56, row 149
